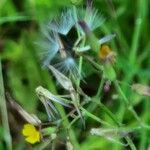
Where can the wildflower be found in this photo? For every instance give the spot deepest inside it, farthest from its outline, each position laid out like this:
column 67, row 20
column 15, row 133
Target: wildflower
column 31, row 133
column 106, row 54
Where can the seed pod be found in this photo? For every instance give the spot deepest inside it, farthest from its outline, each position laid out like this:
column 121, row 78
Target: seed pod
column 64, row 81
column 141, row 89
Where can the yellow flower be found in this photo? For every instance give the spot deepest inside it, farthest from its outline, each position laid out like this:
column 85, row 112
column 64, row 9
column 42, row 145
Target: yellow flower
column 104, row 51
column 31, row 133
column 106, row 54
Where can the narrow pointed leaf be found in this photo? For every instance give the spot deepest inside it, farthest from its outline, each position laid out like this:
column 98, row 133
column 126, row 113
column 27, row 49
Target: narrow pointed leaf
column 61, row 78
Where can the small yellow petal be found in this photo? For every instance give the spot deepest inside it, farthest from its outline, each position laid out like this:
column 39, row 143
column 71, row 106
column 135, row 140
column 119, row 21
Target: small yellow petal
column 106, row 54
column 28, row 129
column 104, row 51
column 34, row 138
column 32, row 135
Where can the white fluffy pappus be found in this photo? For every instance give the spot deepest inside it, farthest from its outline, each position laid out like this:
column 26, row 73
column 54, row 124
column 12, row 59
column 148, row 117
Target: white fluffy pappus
column 52, row 43
column 68, row 66
column 64, row 23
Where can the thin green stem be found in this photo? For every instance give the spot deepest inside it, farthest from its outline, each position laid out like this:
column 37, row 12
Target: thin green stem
column 124, row 98
column 96, row 65
column 126, row 102
column 4, row 114
column 76, row 19
column 100, row 88
column 107, row 111
column 97, row 97
column 132, row 146
column 144, row 133
column 137, row 30
column 73, row 121
column 87, row 113
column 83, row 42
column 123, row 41
column 80, row 69
column 66, row 123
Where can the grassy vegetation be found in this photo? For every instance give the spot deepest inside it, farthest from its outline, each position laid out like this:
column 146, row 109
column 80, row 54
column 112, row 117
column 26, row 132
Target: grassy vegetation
column 106, row 91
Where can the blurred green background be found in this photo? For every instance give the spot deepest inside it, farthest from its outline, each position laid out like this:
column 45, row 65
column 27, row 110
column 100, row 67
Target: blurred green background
column 20, row 23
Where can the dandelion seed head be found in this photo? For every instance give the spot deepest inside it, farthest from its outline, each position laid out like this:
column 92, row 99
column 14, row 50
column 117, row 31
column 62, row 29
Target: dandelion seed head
column 64, row 23
column 69, row 62
column 68, row 66
column 56, row 40
column 94, row 20
column 48, row 46
column 92, row 17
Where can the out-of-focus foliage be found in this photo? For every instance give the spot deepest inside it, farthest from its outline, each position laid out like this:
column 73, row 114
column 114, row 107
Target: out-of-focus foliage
column 20, row 23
